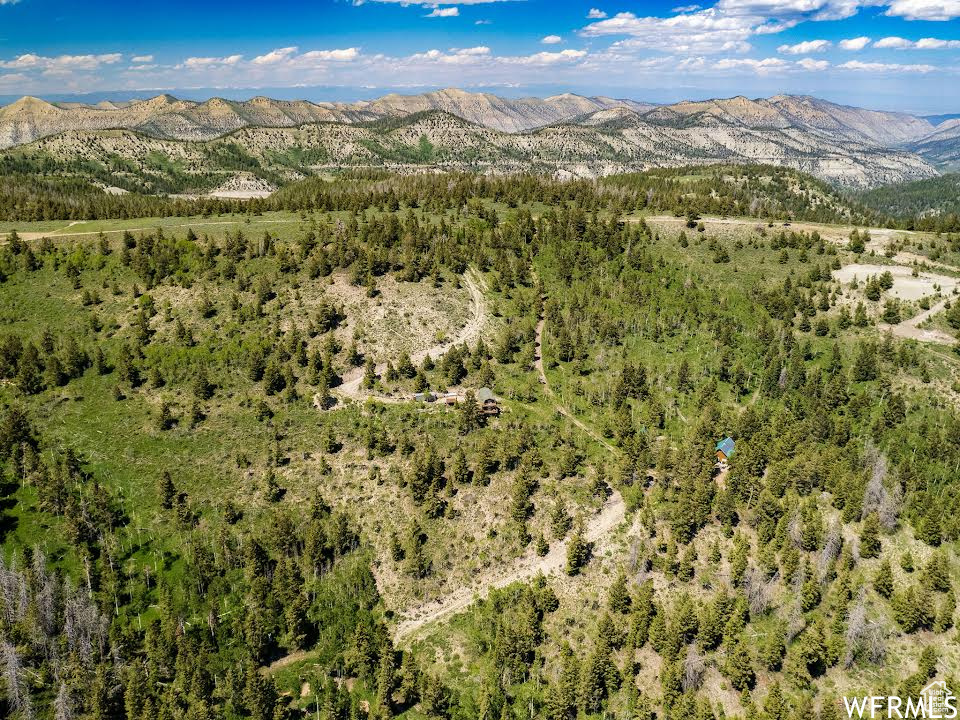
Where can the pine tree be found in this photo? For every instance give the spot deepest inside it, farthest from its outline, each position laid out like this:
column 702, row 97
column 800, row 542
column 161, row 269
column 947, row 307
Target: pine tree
column 870, row 536
column 577, row 551
column 739, row 667
column 618, row 598
column 883, row 579
column 168, row 491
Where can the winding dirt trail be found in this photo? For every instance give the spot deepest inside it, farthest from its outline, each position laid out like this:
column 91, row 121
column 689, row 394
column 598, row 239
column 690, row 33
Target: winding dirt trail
column 597, row 529
column 61, row 232
column 560, row 408
column 911, row 330
column 525, row 567
column 470, row 333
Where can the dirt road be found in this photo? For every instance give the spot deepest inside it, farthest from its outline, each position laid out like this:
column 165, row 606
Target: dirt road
column 560, row 408
column 470, row 333
column 910, row 329
column 60, row 232
column 524, row 568
column 597, row 530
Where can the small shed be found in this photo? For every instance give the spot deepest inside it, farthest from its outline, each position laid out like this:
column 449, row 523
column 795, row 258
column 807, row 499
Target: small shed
column 487, row 401
column 424, row 397
column 725, row 449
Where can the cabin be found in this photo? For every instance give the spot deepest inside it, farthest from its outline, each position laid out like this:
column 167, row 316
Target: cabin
column 725, row 449
column 450, row 398
column 488, row 403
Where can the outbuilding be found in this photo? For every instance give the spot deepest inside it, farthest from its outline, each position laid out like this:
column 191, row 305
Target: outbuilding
column 725, row 449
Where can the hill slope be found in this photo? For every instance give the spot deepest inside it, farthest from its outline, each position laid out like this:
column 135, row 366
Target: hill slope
column 941, row 147
column 603, row 143
column 164, row 116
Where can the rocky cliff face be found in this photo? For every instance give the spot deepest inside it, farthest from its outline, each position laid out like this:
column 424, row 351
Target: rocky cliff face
column 941, row 147
column 608, row 141
column 167, row 117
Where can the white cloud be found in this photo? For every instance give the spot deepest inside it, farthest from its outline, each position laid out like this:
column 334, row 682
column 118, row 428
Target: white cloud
column 483, row 22
column 61, row 63
column 886, row 67
column 686, row 9
column 444, row 12
column 433, row 3
column 274, row 56
column 206, row 62
column 805, row 48
column 936, row 44
column 892, row 43
column 547, row 58
column 142, row 59
column 341, row 55
column 854, row 44
column 701, row 32
column 551, row 40
column 463, row 56
column 760, row 66
column 596, row 14
column 813, row 65
column 793, row 11
column 481, row 56
column 937, row 10
column 899, row 43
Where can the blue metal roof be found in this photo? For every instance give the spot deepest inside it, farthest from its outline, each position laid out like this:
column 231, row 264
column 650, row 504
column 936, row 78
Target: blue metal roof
column 726, row 446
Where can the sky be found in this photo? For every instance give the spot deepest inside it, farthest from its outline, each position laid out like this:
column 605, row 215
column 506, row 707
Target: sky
column 885, row 54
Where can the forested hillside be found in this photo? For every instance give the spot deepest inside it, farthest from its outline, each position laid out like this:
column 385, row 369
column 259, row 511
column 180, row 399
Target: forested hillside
column 225, row 493
column 925, row 205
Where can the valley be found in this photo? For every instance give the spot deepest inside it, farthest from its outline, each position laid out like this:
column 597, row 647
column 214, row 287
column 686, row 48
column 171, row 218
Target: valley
column 167, row 146
column 209, row 427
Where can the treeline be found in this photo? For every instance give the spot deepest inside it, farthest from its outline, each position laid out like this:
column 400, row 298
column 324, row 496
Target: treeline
column 29, row 198
column 932, row 205
column 118, row 641
column 763, row 192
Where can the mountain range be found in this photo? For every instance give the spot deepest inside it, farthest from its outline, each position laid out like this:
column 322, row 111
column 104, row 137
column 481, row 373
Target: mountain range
column 563, row 134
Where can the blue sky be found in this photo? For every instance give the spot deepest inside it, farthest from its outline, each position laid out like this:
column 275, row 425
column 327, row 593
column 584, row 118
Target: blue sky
column 897, row 54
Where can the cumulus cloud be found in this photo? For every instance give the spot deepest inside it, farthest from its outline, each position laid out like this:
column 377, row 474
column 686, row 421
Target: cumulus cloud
column 142, row 59
column 551, row 40
column 434, row 3
column 463, row 56
column 548, row 58
column 700, row 32
column 934, row 10
column 805, row 48
column 444, row 12
column 274, row 56
column 596, row 14
column 30, row 61
column 481, row 55
column 899, row 43
column 793, row 11
column 936, row 44
column 854, row 44
column 813, row 65
column 761, row 66
column 886, row 67
column 205, row 62
column 341, row 55
column 892, row 43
